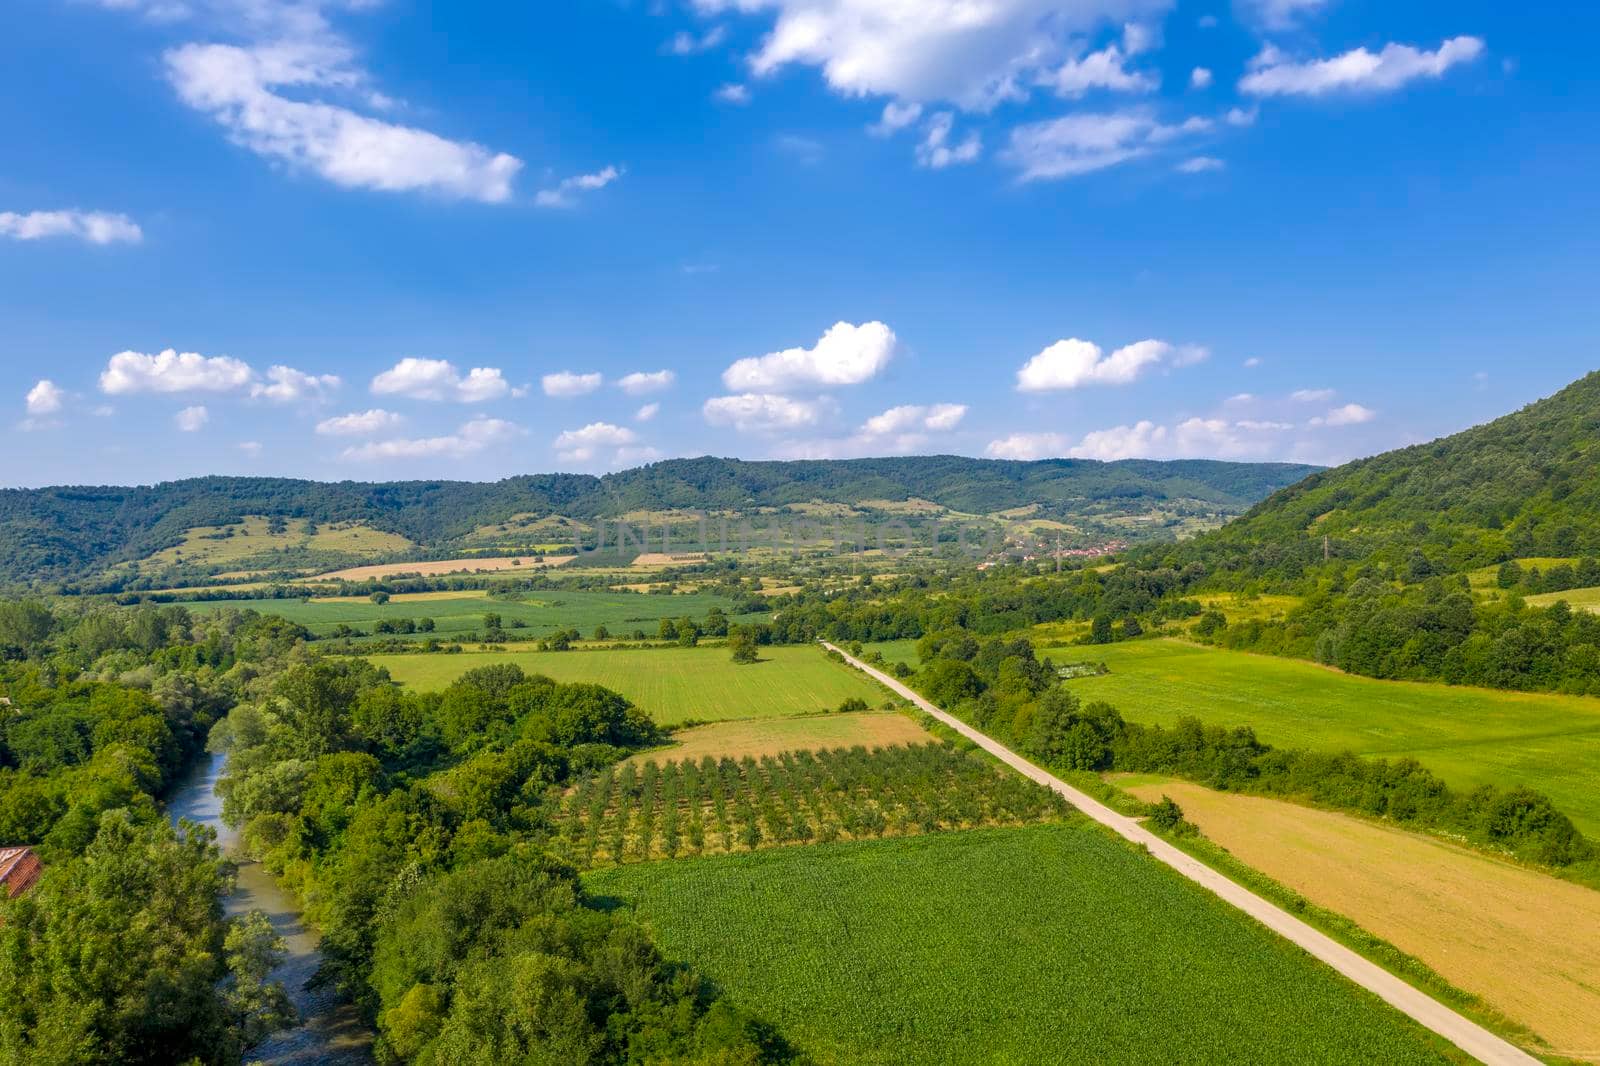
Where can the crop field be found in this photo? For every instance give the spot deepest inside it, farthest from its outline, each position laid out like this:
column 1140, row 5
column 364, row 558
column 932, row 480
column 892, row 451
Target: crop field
column 774, row 736
column 663, row 810
column 674, row 685
column 1523, row 942
column 484, row 564
column 1050, row 943
column 457, row 615
column 1469, row 736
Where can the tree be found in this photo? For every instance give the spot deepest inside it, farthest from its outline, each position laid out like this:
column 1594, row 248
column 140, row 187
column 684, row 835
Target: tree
column 1167, row 816
column 380, row 598
column 743, row 646
column 602, row 633
column 1100, row 630
column 1510, row 574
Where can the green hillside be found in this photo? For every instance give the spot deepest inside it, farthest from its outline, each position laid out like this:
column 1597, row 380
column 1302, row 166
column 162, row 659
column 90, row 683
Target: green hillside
column 70, row 532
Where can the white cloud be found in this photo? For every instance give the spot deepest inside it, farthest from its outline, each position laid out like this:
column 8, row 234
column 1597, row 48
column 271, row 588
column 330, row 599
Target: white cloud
column 1252, row 362
column 1085, row 142
column 936, row 152
column 584, row 445
column 565, row 194
column 973, row 54
column 1072, row 363
column 845, row 355
column 647, row 412
column 1200, row 164
column 438, row 379
column 288, row 385
column 1356, row 71
column 96, row 227
column 1121, row 442
column 896, row 117
column 641, row 383
column 45, row 398
column 252, row 448
column 758, row 412
column 1028, row 446
column 239, row 87
column 1104, row 69
column 566, row 383
column 1280, row 14
column 471, row 438
column 938, row 417
column 1238, row 116
column 1193, row 438
column 733, row 93
column 359, row 423
column 1311, row 395
column 192, row 419
column 1200, row 78
column 1351, row 414
column 685, row 43
column 171, row 371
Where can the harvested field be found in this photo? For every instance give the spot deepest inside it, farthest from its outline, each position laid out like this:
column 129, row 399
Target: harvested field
column 773, row 736
column 484, row 565
column 1525, row 943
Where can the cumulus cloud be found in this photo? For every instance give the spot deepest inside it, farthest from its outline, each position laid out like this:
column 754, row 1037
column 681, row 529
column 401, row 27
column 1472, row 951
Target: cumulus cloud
column 1238, row 116
column 938, row 417
column 1028, row 446
column 359, row 423
column 584, row 445
column 1143, row 438
column 45, row 398
column 973, row 55
column 1105, row 69
column 96, row 227
column 845, row 355
column 1351, row 414
column 641, row 383
column 1311, row 395
column 172, row 371
column 567, row 383
column 732, row 93
column 685, row 43
column 647, row 412
column 1201, row 164
column 896, row 117
column 192, row 419
column 1279, row 14
column 470, row 439
column 761, row 412
column 285, row 384
column 265, row 96
column 937, row 150
column 1356, row 71
column 1200, row 78
column 900, row 430
column 1073, row 363
column 1085, row 142
column 438, row 379
column 565, row 194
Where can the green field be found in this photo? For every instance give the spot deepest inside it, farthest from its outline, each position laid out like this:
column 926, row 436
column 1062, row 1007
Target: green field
column 673, row 684
column 1469, row 736
column 1043, row 944
column 540, row 614
column 1585, row 599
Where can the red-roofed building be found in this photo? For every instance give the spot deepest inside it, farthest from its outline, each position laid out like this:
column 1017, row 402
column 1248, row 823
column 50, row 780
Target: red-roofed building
column 19, row 869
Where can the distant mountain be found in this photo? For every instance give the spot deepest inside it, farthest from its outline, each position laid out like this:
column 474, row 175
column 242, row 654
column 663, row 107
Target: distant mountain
column 1525, row 485
column 53, row 534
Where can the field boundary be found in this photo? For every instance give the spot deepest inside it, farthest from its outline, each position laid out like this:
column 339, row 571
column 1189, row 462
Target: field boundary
column 1465, row 1034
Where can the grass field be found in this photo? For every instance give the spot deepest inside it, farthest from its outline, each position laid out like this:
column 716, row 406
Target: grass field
column 1469, row 736
column 672, row 684
column 772, row 736
column 1585, row 599
column 1526, row 944
column 252, row 538
column 1047, row 944
column 460, row 613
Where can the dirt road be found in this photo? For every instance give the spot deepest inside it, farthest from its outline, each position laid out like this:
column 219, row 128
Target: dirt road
column 1421, row 1008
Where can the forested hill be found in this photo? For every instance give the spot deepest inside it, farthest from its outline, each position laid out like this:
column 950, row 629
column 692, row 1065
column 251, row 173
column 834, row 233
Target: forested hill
column 1525, row 485
column 57, row 532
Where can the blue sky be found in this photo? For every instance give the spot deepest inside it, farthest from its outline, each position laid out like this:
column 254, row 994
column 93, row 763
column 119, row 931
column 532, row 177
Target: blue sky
column 387, row 239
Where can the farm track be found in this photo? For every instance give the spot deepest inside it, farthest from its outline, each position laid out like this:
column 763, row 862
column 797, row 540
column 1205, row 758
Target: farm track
column 1465, row 1034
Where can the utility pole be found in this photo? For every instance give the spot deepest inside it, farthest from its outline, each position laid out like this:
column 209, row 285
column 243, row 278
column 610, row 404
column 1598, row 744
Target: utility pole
column 1327, row 552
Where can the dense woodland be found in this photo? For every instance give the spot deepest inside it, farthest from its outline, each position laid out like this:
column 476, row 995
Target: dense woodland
column 65, row 534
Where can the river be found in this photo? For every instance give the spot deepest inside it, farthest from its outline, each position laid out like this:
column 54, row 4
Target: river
column 330, row 1031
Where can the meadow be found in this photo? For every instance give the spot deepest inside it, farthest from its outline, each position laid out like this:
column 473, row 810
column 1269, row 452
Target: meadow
column 1577, row 599
column 686, row 807
column 674, row 685
column 457, row 615
column 1049, row 943
column 1468, row 736
column 1521, row 941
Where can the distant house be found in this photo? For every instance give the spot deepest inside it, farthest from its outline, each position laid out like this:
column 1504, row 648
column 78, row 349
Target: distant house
column 19, row 869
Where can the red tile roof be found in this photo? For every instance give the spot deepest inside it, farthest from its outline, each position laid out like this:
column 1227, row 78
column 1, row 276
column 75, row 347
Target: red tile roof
column 19, row 869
